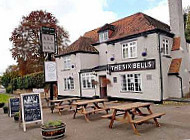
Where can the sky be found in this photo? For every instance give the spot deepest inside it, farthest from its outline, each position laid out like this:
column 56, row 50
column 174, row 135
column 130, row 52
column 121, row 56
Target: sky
column 76, row 16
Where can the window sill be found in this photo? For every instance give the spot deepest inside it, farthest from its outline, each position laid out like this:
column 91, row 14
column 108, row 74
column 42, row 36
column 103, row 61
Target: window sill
column 69, row 89
column 124, row 59
column 88, row 88
column 139, row 92
column 65, row 69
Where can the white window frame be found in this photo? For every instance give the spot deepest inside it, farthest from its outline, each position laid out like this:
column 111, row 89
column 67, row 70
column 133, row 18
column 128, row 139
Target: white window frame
column 165, row 47
column 130, row 84
column 86, row 80
column 103, row 36
column 129, row 50
column 67, row 62
column 69, row 83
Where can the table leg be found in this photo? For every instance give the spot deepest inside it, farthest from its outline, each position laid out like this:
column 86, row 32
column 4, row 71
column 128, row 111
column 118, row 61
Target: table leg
column 75, row 112
column 113, row 118
column 155, row 119
column 132, row 124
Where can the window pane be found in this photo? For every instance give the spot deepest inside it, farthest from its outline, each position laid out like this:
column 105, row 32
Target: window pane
column 129, row 50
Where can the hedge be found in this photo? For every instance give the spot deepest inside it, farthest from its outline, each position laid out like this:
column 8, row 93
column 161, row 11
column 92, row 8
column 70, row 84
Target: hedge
column 35, row 80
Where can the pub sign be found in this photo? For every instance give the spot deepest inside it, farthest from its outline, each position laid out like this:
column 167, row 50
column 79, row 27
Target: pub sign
column 133, row 66
column 48, row 39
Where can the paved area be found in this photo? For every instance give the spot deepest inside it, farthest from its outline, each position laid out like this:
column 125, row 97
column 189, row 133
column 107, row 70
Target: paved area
column 175, row 125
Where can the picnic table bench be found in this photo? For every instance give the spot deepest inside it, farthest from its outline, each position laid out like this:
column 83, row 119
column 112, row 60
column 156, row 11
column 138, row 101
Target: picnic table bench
column 130, row 112
column 61, row 104
column 89, row 107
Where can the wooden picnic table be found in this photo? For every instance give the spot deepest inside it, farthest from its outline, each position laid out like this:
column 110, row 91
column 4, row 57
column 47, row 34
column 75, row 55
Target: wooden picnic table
column 127, row 113
column 90, row 106
column 60, row 104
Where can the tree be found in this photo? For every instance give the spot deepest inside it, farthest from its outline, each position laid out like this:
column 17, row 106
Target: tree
column 11, row 73
column 187, row 22
column 26, row 43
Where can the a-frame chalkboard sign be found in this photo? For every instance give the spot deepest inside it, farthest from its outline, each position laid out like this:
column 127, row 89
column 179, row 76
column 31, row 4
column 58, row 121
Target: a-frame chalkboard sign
column 14, row 106
column 31, row 109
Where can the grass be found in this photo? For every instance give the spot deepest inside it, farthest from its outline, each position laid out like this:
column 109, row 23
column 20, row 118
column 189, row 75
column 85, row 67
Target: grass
column 4, row 98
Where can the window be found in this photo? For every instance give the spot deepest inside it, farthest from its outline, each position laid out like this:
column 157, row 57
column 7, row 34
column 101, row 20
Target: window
column 69, row 83
column 67, row 62
column 103, row 36
column 115, row 79
column 87, row 79
column 165, row 47
column 129, row 50
column 131, row 82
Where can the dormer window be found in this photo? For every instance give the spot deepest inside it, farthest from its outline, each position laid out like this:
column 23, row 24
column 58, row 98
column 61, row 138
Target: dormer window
column 103, row 36
column 105, row 32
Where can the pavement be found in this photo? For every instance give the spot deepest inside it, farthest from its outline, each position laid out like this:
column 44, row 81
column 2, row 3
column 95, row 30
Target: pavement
column 175, row 125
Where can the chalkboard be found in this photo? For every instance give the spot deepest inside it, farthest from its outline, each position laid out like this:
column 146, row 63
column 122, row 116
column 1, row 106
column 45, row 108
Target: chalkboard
column 31, row 108
column 14, row 104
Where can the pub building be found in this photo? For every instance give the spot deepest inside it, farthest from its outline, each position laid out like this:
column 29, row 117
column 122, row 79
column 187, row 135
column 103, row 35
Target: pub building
column 135, row 58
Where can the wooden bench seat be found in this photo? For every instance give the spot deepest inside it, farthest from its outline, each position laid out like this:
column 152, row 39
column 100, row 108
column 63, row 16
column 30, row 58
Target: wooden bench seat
column 96, row 110
column 146, row 118
column 109, row 116
column 62, row 106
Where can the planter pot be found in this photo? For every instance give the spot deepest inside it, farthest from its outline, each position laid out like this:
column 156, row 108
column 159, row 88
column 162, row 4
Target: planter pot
column 53, row 132
column 16, row 118
column 5, row 110
column 1, row 105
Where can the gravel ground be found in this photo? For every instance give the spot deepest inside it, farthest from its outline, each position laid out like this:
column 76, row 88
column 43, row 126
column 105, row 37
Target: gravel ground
column 175, row 125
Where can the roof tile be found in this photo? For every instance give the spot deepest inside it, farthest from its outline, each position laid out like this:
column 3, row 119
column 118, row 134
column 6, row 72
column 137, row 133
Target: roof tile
column 175, row 66
column 176, row 44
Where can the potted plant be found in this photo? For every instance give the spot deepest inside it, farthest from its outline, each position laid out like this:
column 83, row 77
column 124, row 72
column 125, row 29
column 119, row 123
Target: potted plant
column 5, row 109
column 2, row 104
column 106, row 81
column 16, row 116
column 53, row 129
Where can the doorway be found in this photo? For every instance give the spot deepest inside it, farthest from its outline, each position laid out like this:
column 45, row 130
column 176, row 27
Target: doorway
column 103, row 87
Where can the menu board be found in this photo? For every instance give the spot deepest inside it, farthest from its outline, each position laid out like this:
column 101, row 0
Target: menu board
column 14, row 104
column 31, row 108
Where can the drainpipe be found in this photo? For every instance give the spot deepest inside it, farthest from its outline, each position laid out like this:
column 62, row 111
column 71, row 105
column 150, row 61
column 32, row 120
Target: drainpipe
column 160, row 61
column 80, row 86
column 181, row 81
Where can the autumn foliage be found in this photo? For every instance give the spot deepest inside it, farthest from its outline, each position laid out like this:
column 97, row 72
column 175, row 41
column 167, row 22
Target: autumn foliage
column 25, row 38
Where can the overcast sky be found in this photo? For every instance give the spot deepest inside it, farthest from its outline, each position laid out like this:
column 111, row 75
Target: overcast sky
column 76, row 16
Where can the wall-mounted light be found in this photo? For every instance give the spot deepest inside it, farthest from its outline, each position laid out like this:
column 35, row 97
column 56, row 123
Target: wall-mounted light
column 94, row 73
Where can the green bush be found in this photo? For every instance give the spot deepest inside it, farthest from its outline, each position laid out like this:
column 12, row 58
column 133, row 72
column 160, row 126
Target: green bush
column 35, row 80
column 9, row 89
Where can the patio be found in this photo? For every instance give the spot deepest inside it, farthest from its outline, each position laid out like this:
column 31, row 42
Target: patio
column 174, row 125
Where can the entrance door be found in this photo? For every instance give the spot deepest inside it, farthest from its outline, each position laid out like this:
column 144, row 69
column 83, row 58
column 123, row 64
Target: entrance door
column 103, row 87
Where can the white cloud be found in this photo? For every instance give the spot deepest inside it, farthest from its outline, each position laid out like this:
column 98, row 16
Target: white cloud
column 76, row 16
column 161, row 11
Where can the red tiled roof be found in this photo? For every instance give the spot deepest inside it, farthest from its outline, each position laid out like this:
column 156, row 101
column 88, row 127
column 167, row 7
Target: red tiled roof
column 83, row 44
column 176, row 44
column 175, row 66
column 127, row 26
column 131, row 25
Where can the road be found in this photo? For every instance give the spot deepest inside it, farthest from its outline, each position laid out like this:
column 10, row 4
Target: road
column 2, row 90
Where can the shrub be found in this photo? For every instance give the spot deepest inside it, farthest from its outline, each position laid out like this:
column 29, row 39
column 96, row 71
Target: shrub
column 9, row 89
column 35, row 80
